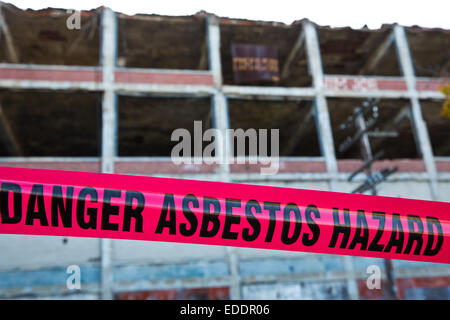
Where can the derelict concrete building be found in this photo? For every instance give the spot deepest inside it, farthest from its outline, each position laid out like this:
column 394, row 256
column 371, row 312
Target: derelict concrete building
column 106, row 97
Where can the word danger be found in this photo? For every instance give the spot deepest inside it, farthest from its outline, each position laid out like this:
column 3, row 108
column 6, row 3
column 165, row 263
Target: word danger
column 62, row 207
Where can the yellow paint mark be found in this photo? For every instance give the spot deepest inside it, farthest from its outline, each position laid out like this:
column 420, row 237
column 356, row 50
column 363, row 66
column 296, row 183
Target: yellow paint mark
column 446, row 107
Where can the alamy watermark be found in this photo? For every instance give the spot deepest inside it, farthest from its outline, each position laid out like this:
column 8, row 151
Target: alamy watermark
column 374, row 279
column 73, row 281
column 222, row 147
column 73, row 22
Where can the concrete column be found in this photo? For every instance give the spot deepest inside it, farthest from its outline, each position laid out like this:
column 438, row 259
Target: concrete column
column 221, row 121
column 324, row 129
column 109, row 131
column 419, row 126
column 321, row 109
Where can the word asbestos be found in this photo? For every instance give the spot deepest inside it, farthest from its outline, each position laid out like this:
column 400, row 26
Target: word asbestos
column 157, row 209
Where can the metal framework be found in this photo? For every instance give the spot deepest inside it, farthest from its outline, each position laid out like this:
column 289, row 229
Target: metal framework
column 112, row 81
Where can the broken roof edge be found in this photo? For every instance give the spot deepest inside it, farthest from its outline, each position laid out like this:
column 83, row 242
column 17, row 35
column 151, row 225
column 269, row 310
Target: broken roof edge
column 47, row 11
column 203, row 14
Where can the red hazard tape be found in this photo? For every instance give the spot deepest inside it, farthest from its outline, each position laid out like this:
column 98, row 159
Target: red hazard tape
column 78, row 204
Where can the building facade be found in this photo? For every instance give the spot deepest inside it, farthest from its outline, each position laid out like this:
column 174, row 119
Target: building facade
column 106, row 96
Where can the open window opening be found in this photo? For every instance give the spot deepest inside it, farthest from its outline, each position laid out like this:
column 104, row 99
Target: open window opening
column 294, row 119
column 428, row 52
column 438, row 126
column 349, row 51
column 50, row 123
column 146, row 123
column 390, row 133
column 162, row 42
column 270, row 42
column 42, row 37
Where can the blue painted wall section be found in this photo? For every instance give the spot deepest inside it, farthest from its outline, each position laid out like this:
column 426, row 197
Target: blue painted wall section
column 171, row 271
column 310, row 264
column 45, row 277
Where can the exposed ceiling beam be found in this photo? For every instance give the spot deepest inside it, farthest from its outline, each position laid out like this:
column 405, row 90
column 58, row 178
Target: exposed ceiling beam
column 12, row 54
column 203, row 63
column 7, row 136
column 392, row 125
column 295, row 49
column 289, row 147
column 403, row 113
column 377, row 54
